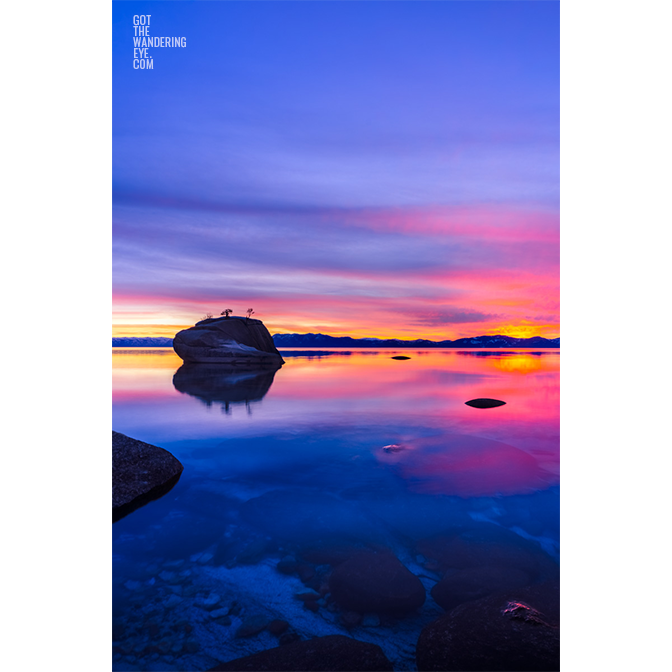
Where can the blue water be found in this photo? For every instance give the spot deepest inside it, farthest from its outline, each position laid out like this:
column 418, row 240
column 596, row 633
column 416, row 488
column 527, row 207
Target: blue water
column 332, row 454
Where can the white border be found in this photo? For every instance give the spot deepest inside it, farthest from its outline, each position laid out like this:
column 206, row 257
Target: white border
column 57, row 280
column 615, row 144
column 56, row 215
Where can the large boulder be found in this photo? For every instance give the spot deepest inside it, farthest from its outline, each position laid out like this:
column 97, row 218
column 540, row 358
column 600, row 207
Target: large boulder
column 237, row 341
column 514, row 631
column 140, row 473
column 333, row 653
column 376, row 582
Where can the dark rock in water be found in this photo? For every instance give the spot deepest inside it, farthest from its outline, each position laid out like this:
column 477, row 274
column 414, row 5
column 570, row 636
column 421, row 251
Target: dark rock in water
column 376, row 582
column 485, row 403
column 334, row 653
column 330, row 552
column 516, row 631
column 483, row 545
column 225, row 385
column 233, row 340
column 477, row 582
column 140, row 473
column 400, row 357
column 252, row 626
column 306, row 572
column 289, row 638
column 287, row 565
column 277, row 626
column 350, row 619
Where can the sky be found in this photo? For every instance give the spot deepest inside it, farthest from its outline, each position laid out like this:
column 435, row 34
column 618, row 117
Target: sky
column 381, row 169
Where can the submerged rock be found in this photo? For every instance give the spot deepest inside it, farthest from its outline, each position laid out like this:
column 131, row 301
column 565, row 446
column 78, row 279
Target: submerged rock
column 289, row 638
column 485, row 403
column 330, row 552
column 477, row 582
column 400, row 357
column 516, row 630
column 229, row 340
column 141, row 473
column 287, row 565
column 277, row 626
column 252, row 626
column 484, row 545
column 333, row 653
column 350, row 619
column 376, row 582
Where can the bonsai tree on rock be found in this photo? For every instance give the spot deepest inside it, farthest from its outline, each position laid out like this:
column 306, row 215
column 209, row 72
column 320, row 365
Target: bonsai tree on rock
column 226, row 313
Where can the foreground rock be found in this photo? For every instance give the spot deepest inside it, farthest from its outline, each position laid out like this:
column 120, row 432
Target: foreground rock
column 334, row 653
column 516, row 631
column 228, row 340
column 140, row 473
column 376, row 582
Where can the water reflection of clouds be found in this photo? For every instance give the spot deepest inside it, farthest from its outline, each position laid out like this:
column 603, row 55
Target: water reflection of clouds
column 348, row 393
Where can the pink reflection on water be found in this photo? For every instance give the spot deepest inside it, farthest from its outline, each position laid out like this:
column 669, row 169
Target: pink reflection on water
column 509, row 449
column 466, row 466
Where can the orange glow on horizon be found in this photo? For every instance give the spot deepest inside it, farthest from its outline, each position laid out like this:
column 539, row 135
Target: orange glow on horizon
column 147, row 330
column 405, row 333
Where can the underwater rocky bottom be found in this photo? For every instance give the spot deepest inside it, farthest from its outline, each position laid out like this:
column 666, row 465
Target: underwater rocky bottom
column 348, row 512
column 463, row 587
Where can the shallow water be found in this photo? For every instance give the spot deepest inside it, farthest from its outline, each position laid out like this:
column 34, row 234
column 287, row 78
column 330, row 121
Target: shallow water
column 334, row 452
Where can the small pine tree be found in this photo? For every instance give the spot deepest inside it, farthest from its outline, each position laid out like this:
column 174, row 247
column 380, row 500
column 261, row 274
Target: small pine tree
column 249, row 313
column 226, row 313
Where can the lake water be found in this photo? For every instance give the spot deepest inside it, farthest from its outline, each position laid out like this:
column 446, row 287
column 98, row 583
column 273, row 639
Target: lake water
column 336, row 453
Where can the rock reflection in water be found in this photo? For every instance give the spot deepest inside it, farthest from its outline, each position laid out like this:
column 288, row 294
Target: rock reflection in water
column 213, row 383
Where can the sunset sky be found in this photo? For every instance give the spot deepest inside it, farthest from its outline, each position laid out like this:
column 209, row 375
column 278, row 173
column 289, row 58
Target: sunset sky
column 354, row 168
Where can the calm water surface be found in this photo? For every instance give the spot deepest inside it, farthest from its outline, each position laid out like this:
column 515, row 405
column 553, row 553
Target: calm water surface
column 335, row 452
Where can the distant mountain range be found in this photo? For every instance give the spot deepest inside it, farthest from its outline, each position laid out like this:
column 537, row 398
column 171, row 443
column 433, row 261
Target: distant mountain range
column 324, row 341
column 143, row 342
